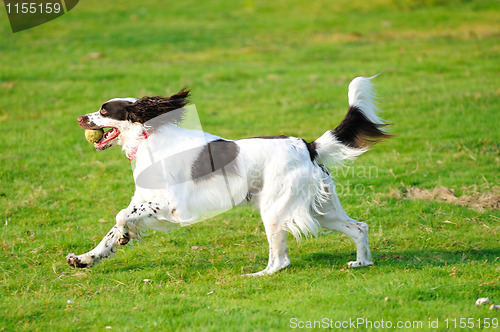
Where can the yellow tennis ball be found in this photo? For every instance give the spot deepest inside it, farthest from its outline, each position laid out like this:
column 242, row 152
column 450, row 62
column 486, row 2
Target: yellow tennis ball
column 93, row 136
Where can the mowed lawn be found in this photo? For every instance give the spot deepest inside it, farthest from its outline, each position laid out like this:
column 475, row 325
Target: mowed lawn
column 430, row 194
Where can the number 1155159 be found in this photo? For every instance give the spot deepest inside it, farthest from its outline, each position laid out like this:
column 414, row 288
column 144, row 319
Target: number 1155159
column 480, row 323
column 33, row 8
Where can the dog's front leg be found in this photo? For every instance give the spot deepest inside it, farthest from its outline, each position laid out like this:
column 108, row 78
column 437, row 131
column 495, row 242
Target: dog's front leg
column 278, row 253
column 128, row 224
column 106, row 248
column 130, row 220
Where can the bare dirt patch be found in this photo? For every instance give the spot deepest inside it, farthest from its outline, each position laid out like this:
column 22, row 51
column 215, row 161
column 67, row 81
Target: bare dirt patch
column 480, row 200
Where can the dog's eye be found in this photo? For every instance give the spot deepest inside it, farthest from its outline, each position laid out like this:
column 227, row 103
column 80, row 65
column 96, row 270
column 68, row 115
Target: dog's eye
column 103, row 111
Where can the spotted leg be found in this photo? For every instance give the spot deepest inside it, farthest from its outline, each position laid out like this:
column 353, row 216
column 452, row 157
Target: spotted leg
column 128, row 224
column 131, row 219
column 106, row 248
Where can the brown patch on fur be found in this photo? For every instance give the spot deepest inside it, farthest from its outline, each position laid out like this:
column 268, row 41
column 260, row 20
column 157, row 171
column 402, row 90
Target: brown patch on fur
column 216, row 155
column 148, row 108
column 357, row 131
column 489, row 199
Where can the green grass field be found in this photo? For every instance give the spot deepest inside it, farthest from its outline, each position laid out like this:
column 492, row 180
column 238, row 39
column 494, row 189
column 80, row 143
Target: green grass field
column 255, row 68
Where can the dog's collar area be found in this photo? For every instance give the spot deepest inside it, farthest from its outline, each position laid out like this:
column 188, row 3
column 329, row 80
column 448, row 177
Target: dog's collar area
column 133, row 151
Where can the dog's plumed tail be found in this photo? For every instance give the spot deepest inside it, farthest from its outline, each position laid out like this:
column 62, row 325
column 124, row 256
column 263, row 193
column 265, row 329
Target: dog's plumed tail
column 360, row 128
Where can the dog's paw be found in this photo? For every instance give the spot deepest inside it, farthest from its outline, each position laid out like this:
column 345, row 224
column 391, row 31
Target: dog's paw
column 354, row 264
column 269, row 270
column 74, row 261
column 122, row 236
column 123, row 240
column 258, row 274
column 262, row 273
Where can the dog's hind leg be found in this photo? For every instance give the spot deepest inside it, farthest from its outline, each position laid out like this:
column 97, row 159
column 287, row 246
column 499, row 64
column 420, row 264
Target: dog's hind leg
column 335, row 218
column 278, row 253
column 357, row 231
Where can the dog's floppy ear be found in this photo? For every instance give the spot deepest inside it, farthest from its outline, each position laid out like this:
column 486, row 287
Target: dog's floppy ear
column 148, row 108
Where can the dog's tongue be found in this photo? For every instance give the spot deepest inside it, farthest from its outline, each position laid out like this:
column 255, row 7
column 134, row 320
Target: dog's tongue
column 108, row 137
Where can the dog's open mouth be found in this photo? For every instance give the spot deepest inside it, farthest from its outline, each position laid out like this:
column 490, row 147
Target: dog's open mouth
column 106, row 138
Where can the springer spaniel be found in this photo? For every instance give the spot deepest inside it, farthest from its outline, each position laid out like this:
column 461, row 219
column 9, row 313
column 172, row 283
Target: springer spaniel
column 185, row 175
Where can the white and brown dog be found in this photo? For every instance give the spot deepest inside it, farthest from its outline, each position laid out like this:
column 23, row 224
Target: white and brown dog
column 184, row 175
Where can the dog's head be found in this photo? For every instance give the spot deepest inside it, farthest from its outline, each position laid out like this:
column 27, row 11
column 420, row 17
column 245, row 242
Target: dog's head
column 126, row 116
